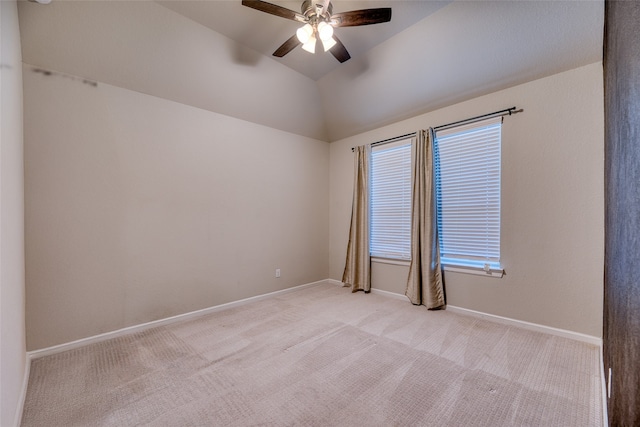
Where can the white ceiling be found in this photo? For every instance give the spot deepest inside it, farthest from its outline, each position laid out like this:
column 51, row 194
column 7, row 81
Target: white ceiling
column 264, row 33
column 216, row 55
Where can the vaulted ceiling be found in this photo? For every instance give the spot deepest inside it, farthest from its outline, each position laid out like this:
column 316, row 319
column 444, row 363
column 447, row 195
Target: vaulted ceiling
column 216, row 55
column 265, row 33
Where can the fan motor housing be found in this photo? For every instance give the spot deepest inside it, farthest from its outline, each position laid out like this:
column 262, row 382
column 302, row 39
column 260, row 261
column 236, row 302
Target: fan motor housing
column 310, row 9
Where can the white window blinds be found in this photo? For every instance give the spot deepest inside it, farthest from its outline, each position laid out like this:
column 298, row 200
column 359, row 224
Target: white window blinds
column 391, row 200
column 468, row 194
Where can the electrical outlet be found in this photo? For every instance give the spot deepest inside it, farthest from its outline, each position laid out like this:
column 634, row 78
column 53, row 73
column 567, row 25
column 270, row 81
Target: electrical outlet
column 277, row 272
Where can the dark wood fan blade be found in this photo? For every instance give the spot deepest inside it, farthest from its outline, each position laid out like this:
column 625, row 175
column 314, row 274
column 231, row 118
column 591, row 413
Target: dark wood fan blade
column 339, row 51
column 287, row 46
column 361, row 17
column 274, row 9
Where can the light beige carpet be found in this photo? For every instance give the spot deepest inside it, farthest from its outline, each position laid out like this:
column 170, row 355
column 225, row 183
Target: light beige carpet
column 321, row 356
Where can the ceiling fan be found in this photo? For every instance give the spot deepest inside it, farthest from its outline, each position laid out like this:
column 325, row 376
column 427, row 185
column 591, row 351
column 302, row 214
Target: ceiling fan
column 319, row 22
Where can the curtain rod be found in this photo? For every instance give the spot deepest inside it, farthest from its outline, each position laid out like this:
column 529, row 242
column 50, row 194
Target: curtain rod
column 389, row 140
column 505, row 112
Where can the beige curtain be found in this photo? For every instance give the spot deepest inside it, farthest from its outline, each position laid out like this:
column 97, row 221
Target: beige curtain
column 357, row 269
column 424, row 284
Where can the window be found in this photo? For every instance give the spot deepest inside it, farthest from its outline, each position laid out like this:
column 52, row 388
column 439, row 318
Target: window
column 468, row 196
column 391, row 200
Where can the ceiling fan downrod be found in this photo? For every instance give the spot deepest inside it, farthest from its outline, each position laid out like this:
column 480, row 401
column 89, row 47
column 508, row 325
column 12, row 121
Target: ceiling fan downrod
column 311, row 9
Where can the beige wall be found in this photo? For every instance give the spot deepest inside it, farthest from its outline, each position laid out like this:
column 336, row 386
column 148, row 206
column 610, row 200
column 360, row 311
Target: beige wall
column 12, row 337
column 552, row 203
column 139, row 208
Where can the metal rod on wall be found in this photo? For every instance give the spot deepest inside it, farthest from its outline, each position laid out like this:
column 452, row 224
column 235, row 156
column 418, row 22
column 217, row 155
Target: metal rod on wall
column 505, row 112
column 389, row 140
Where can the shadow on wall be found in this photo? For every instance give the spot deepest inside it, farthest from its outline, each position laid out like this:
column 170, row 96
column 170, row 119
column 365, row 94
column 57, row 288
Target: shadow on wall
column 243, row 55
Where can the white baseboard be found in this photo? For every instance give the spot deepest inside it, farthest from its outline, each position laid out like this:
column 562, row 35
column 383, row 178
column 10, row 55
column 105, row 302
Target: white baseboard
column 530, row 326
column 508, row 321
column 605, row 395
column 23, row 391
column 335, row 282
column 144, row 326
column 373, row 290
column 390, row 294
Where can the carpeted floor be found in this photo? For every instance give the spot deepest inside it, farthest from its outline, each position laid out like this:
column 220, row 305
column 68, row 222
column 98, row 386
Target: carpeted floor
column 321, row 356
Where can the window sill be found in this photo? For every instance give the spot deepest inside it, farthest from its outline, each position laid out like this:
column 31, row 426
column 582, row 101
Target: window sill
column 402, row 262
column 494, row 272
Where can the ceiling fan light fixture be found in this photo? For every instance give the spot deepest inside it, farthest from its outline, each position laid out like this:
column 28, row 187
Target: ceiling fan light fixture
column 319, row 21
column 305, row 33
column 325, row 31
column 328, row 44
column 310, row 45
